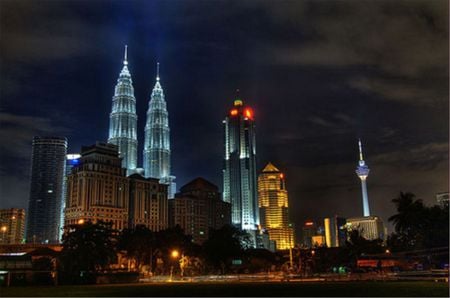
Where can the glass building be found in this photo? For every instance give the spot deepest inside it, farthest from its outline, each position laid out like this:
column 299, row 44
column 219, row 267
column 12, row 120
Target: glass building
column 157, row 139
column 46, row 189
column 273, row 207
column 123, row 119
column 239, row 171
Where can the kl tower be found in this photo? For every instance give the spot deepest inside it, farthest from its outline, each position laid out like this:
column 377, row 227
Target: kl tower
column 362, row 170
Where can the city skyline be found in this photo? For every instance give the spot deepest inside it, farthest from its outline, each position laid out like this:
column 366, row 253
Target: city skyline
column 312, row 99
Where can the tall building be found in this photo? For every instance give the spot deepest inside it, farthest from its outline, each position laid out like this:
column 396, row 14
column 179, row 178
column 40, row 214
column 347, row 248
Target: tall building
column 123, row 119
column 148, row 203
column 363, row 171
column 239, row 172
column 197, row 208
column 98, row 189
column 309, row 230
column 273, row 207
column 72, row 160
column 46, row 189
column 157, row 139
column 335, row 232
column 12, row 226
column 370, row 227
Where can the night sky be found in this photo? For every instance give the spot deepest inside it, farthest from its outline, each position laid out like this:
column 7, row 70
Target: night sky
column 319, row 75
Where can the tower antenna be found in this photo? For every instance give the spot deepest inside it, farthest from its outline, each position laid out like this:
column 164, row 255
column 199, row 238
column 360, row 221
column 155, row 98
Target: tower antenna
column 125, row 58
column 157, row 71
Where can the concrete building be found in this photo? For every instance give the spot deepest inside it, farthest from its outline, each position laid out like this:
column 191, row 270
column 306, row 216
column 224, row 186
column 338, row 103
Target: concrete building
column 12, row 226
column 197, row 208
column 148, row 204
column 46, row 189
column 370, row 227
column 335, row 232
column 98, row 189
column 273, row 207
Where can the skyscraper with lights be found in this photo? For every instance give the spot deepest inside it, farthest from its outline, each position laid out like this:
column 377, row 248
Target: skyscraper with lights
column 123, row 119
column 239, row 171
column 273, row 207
column 362, row 170
column 157, row 139
column 46, row 189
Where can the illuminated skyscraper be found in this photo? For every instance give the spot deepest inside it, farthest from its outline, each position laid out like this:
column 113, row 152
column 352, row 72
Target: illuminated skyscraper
column 12, row 226
column 363, row 171
column 273, row 207
column 123, row 119
column 157, row 139
column 239, row 172
column 46, row 189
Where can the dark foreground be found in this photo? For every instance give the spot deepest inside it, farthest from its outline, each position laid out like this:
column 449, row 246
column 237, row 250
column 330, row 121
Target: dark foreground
column 336, row 289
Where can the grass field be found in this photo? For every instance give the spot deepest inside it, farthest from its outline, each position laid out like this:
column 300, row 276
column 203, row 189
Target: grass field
column 315, row 289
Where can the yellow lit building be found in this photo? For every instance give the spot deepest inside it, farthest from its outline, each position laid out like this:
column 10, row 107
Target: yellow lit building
column 12, row 226
column 273, row 207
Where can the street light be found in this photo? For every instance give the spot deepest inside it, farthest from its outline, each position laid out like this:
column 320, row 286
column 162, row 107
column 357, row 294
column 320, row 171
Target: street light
column 174, row 254
column 81, row 221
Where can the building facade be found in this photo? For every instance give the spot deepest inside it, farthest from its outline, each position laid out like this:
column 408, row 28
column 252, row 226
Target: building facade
column 97, row 188
column 157, row 139
column 123, row 119
column 71, row 161
column 370, row 227
column 197, row 208
column 148, row 203
column 239, row 171
column 12, row 226
column 335, row 232
column 442, row 199
column 273, row 207
column 46, row 189
column 362, row 171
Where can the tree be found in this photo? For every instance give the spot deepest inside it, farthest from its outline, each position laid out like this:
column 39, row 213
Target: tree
column 139, row 244
column 87, row 249
column 224, row 244
column 358, row 245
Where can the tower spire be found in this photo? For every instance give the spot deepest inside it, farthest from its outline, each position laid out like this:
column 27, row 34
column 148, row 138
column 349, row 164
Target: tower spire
column 157, row 71
column 125, row 58
column 360, row 150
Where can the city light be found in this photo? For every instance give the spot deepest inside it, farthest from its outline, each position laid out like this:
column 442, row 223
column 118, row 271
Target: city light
column 81, row 221
column 234, row 112
column 175, row 254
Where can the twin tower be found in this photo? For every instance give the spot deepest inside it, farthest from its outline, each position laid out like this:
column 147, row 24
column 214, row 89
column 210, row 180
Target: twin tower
column 123, row 130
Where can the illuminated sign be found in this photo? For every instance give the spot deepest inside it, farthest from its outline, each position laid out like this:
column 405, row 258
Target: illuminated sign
column 309, row 223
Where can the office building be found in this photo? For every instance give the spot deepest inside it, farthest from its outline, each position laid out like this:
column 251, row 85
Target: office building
column 370, row 227
column 335, row 232
column 273, row 207
column 98, row 189
column 148, row 203
column 123, row 119
column 309, row 230
column 197, row 208
column 157, row 139
column 239, row 172
column 72, row 160
column 12, row 226
column 46, row 189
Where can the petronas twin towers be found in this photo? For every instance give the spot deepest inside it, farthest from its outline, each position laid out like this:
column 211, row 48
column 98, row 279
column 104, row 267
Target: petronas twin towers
column 123, row 129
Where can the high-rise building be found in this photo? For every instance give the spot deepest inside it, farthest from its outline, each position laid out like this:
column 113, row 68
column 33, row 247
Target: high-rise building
column 72, row 160
column 197, row 208
column 123, row 119
column 363, row 171
column 370, row 227
column 273, row 207
column 157, row 139
column 335, row 232
column 148, row 203
column 46, row 189
column 239, row 172
column 98, row 189
column 12, row 226
column 309, row 230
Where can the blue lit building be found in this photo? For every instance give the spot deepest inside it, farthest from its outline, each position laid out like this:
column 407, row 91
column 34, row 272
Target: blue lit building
column 363, row 172
column 72, row 160
column 157, row 139
column 46, row 189
column 239, row 171
column 123, row 119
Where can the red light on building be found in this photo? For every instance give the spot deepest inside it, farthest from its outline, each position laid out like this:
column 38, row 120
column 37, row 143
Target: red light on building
column 249, row 113
column 309, row 223
column 234, row 112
